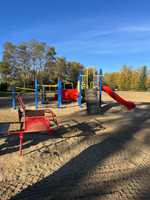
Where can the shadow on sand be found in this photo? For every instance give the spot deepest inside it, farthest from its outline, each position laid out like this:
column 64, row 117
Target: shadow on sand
column 69, row 182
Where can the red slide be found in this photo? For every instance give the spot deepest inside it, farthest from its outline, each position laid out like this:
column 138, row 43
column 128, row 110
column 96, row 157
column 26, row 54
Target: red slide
column 115, row 96
column 69, row 94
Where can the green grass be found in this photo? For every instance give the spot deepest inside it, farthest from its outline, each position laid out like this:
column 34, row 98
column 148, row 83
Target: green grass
column 9, row 94
column 5, row 94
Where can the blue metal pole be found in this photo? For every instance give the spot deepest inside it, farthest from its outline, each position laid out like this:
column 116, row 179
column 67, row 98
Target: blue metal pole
column 100, row 88
column 13, row 94
column 45, row 93
column 41, row 92
column 59, row 93
column 36, row 94
column 80, row 88
column 96, row 79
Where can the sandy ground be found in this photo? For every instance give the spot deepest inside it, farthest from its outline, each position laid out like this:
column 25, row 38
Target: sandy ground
column 104, row 156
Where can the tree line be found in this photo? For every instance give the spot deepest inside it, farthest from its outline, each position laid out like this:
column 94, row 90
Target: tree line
column 23, row 62
column 128, row 79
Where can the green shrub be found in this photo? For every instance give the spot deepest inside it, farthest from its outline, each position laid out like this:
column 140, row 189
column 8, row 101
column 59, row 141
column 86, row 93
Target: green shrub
column 4, row 86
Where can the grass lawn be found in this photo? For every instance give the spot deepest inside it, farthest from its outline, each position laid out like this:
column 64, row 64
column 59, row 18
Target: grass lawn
column 5, row 94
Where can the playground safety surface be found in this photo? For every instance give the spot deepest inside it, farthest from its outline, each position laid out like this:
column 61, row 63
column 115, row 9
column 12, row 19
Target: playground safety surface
column 104, row 156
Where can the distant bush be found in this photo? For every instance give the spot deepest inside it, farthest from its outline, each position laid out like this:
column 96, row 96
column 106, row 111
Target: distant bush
column 4, row 86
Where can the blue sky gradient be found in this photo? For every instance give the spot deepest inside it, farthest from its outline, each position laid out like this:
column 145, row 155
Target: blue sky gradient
column 102, row 33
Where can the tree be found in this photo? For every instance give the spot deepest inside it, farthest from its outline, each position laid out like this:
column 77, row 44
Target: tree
column 125, row 78
column 135, row 80
column 23, row 63
column 73, row 71
column 111, row 79
column 5, row 71
column 128, row 80
column 10, row 58
column 122, row 78
column 142, row 79
column 62, row 68
column 50, row 74
column 148, row 81
column 37, row 51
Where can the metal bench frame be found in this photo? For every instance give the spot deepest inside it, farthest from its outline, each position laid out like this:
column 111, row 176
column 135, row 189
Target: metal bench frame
column 34, row 121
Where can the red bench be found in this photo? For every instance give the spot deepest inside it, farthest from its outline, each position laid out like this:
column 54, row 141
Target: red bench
column 34, row 121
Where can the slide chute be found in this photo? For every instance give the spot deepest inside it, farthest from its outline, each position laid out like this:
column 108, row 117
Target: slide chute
column 115, row 96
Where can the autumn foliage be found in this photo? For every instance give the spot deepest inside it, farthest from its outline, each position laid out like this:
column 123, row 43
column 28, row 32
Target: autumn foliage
column 128, row 79
column 23, row 62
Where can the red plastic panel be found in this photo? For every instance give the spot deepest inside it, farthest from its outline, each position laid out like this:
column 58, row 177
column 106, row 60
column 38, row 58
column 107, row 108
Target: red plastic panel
column 70, row 94
column 37, row 124
column 115, row 96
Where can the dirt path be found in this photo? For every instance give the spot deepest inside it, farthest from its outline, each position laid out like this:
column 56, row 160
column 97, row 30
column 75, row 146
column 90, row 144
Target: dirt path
column 89, row 157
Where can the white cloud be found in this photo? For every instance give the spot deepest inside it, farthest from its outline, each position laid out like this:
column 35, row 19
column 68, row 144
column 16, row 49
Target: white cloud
column 136, row 29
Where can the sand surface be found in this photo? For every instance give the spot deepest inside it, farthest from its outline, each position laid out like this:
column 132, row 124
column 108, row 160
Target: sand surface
column 104, row 156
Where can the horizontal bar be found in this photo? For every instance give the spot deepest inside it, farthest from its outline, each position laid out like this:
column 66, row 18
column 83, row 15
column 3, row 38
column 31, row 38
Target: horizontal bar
column 25, row 88
column 49, row 85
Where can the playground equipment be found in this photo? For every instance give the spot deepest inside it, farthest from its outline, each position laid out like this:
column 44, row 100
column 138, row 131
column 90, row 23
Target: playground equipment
column 50, row 87
column 34, row 121
column 91, row 95
column 92, row 102
column 42, row 92
column 30, row 89
column 85, row 79
column 70, row 94
column 64, row 94
column 115, row 96
column 83, row 85
column 78, row 93
column 68, row 83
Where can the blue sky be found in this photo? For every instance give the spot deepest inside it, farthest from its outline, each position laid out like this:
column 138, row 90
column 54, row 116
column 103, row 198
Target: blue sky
column 102, row 33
